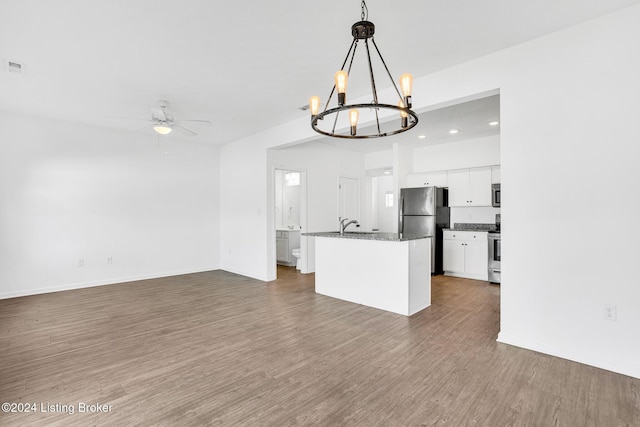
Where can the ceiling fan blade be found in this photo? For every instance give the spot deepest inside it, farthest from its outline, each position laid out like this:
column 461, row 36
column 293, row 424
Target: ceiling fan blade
column 142, row 129
column 129, row 118
column 198, row 121
column 188, row 131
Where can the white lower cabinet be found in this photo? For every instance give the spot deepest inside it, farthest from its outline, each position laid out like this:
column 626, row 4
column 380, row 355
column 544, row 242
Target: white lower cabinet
column 466, row 254
column 286, row 241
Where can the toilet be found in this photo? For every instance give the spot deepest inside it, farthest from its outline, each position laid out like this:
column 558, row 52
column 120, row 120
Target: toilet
column 296, row 255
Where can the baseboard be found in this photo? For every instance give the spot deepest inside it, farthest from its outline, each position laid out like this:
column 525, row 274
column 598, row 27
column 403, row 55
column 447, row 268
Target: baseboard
column 245, row 274
column 90, row 284
column 629, row 369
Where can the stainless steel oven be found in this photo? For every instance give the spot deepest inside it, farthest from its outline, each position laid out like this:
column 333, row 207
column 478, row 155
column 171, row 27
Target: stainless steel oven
column 495, row 195
column 494, row 257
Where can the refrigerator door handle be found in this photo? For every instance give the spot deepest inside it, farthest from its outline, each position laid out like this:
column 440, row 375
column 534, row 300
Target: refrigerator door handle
column 401, row 216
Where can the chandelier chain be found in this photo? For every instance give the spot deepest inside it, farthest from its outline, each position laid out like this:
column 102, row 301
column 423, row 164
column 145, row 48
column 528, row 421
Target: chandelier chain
column 363, row 6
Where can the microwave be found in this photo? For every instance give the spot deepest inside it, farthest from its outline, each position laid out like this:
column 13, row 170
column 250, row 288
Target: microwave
column 495, row 195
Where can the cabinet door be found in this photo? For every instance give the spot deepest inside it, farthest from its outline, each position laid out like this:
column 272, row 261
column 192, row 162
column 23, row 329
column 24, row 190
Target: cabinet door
column 476, row 258
column 436, row 179
column 480, row 187
column 282, row 250
column 453, row 255
column 459, row 187
column 495, row 174
column 416, row 180
column 428, row 179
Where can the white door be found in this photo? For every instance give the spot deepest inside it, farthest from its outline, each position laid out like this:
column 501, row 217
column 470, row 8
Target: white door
column 349, row 198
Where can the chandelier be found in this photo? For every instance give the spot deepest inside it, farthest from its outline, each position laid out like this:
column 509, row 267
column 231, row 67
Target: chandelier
column 362, row 30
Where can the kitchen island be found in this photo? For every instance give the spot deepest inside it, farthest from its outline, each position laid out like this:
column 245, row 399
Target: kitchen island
column 387, row 271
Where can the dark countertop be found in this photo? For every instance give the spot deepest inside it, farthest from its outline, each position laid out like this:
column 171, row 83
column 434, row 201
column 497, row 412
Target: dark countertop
column 363, row 235
column 473, row 227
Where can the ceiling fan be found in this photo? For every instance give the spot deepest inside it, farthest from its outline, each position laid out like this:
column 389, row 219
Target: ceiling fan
column 163, row 122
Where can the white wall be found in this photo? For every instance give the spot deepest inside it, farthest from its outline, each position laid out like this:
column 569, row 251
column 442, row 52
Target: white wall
column 384, row 218
column 569, row 107
column 378, row 160
column 478, row 215
column 323, row 164
column 457, row 155
column 72, row 192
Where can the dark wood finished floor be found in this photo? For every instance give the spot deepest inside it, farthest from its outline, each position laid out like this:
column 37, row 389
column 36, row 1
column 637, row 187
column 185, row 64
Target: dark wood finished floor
column 220, row 349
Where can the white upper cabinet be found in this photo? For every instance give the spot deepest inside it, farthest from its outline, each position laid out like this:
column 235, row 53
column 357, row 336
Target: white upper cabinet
column 495, row 174
column 427, row 179
column 470, row 187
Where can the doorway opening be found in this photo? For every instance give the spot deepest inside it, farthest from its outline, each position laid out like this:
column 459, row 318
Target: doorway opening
column 290, row 218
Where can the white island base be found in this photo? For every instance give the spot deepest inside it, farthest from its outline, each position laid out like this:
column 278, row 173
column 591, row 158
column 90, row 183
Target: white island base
column 388, row 275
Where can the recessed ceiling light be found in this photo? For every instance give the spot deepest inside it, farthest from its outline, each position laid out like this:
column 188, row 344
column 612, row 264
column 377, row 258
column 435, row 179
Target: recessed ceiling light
column 422, row 136
column 494, row 123
column 387, row 171
column 453, row 131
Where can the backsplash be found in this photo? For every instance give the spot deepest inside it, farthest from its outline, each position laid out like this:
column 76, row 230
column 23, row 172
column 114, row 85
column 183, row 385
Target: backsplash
column 473, row 215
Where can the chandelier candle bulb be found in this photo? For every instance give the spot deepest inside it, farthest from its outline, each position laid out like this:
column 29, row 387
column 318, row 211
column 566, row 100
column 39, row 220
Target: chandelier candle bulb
column 406, row 84
column 314, row 105
column 353, row 119
column 341, row 78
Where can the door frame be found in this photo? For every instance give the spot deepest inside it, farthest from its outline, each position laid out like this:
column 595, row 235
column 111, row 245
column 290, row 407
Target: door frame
column 303, row 217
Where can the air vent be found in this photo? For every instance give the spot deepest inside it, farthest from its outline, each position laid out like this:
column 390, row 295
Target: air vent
column 14, row 67
column 306, row 107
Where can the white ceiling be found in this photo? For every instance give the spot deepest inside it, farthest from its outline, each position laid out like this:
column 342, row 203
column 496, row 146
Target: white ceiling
column 246, row 66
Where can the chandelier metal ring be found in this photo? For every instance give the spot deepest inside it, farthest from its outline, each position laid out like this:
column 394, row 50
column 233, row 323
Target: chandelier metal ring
column 413, row 120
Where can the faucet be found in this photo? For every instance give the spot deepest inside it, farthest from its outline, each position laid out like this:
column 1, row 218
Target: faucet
column 343, row 226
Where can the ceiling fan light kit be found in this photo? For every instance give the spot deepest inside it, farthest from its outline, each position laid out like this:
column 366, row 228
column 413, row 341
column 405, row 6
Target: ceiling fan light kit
column 363, row 30
column 162, row 129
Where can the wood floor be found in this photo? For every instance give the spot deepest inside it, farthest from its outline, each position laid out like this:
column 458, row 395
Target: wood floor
column 220, row 349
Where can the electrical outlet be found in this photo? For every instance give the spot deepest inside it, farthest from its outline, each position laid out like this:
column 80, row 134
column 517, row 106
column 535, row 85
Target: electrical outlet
column 610, row 312
column 109, row 260
column 81, row 262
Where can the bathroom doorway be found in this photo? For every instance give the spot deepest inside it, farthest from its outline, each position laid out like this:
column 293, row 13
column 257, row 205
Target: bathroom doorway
column 290, row 218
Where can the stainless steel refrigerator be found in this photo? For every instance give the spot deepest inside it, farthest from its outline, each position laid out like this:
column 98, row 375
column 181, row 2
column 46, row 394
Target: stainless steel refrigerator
column 425, row 211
